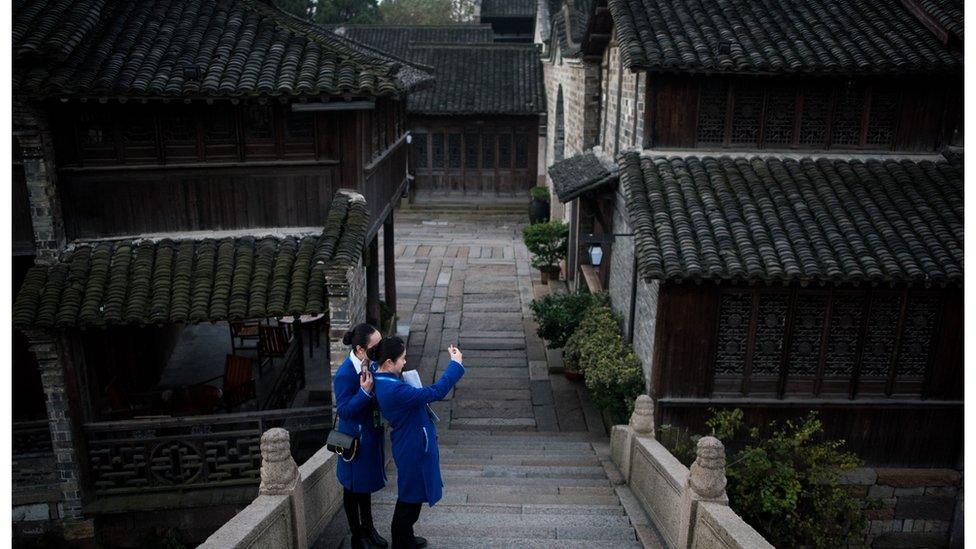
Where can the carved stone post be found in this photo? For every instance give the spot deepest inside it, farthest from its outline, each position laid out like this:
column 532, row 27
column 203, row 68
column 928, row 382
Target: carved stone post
column 280, row 477
column 706, row 483
column 642, row 420
column 622, row 436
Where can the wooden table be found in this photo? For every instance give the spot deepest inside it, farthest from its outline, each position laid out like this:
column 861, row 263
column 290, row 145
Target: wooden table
column 309, row 323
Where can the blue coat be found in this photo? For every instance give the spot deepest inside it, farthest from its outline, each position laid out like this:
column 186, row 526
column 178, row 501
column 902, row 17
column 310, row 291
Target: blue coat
column 365, row 473
column 413, row 433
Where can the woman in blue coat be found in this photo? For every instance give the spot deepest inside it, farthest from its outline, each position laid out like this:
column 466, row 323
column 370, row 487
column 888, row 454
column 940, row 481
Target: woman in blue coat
column 358, row 416
column 413, row 434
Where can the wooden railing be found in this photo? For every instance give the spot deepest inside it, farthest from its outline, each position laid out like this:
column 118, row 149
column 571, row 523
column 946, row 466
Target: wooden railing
column 384, row 178
column 193, row 452
column 290, row 380
column 33, row 456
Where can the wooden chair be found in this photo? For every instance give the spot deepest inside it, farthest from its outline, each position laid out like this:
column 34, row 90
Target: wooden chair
column 238, row 381
column 120, row 404
column 241, row 331
column 272, row 343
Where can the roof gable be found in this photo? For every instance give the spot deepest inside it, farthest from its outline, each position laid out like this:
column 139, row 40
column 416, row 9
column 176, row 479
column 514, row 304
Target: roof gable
column 508, row 8
column 777, row 36
column 396, row 39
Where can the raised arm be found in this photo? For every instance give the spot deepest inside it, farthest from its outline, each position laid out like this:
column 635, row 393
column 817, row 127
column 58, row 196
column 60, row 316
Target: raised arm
column 351, row 399
column 407, row 396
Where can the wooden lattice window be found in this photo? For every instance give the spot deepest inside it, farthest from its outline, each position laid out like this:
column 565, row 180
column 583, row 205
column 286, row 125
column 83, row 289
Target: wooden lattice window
column 825, row 342
column 881, row 121
column 814, row 116
column 220, row 134
column 735, row 312
column 299, row 134
column 505, row 150
column 712, row 106
column 139, row 137
column 471, row 147
column 487, row 151
column 454, row 150
column 96, row 137
column 179, row 132
column 437, row 150
column 747, row 111
column 420, row 149
column 258, row 125
column 848, row 112
column 780, row 116
column 521, row 150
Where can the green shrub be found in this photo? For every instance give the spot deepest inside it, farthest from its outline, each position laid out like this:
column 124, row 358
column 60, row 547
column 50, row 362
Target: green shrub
column 613, row 372
column 597, row 326
column 558, row 315
column 540, row 193
column 784, row 481
column 547, row 242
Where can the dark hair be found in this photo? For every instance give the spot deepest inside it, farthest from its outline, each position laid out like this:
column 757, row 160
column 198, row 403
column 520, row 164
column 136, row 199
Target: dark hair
column 359, row 335
column 389, row 348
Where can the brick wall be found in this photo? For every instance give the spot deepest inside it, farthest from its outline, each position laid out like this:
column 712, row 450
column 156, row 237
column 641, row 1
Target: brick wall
column 347, row 307
column 579, row 82
column 34, row 138
column 623, row 94
column 621, row 279
column 915, row 507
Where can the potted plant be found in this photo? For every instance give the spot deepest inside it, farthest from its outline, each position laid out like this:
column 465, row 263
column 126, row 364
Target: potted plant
column 547, row 241
column 539, row 206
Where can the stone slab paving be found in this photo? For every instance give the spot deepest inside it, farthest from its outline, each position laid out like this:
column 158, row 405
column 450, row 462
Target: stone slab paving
column 523, row 453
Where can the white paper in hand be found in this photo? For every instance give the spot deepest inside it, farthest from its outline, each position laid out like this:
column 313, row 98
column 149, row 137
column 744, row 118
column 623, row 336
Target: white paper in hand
column 412, row 378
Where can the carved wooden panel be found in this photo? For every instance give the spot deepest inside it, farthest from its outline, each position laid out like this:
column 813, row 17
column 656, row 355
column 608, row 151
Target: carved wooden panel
column 521, row 150
column 454, row 150
column 879, row 343
column 471, row 148
column 813, row 119
column 921, row 318
column 746, row 113
column 487, row 150
column 712, row 106
column 807, row 334
column 881, row 124
column 770, row 329
column 780, row 116
column 420, row 149
column 735, row 311
column 504, row 150
column 846, row 319
column 848, row 109
column 437, row 150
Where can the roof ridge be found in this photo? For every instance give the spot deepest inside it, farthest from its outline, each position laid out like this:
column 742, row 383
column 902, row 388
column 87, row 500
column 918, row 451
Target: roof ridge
column 794, row 155
column 482, row 45
column 381, row 26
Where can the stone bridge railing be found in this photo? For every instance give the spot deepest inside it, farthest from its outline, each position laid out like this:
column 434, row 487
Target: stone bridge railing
column 294, row 504
column 689, row 508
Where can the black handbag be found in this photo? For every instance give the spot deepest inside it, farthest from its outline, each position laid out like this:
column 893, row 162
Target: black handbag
column 340, row 443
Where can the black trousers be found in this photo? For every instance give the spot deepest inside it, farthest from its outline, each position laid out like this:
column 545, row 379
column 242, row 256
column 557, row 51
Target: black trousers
column 405, row 515
column 359, row 511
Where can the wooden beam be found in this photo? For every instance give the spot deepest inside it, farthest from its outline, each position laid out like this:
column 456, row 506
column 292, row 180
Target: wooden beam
column 389, row 264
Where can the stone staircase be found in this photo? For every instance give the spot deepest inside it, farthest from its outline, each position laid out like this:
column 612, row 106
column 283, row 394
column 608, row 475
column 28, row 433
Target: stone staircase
column 525, row 489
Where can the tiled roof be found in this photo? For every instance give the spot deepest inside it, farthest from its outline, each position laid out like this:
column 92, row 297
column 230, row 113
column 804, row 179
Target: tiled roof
column 396, row 39
column 777, row 36
column 146, row 282
column 577, row 174
column 479, row 79
column 785, row 219
column 191, row 48
column 508, row 8
column 948, row 13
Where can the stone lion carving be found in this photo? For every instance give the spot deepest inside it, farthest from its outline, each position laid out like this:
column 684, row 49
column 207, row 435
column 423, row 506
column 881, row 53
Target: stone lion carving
column 707, row 476
column 279, row 473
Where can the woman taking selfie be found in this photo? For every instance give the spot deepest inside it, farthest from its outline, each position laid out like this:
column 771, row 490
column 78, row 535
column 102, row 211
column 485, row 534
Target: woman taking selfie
column 358, row 417
column 413, row 434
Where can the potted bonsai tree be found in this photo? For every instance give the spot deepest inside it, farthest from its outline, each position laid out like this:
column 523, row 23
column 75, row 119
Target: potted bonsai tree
column 539, row 206
column 547, row 241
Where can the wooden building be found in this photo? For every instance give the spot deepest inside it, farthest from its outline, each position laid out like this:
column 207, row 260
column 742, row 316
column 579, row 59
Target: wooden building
column 476, row 131
column 780, row 211
column 187, row 167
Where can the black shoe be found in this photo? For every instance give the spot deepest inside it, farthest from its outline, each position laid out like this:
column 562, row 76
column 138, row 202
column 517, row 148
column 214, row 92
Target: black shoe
column 373, row 537
column 357, row 542
column 419, row 542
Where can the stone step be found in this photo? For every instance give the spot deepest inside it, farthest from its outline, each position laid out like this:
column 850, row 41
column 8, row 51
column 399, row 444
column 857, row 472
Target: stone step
column 383, row 514
column 491, row 529
column 454, row 481
column 496, row 543
column 528, row 445
column 532, row 471
column 572, row 436
column 565, row 461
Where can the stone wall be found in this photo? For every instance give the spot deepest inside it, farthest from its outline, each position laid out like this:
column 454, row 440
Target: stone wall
column 34, row 138
column 914, row 507
column 622, row 93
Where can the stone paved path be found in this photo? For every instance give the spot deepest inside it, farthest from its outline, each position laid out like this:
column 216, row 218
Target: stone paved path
column 524, row 455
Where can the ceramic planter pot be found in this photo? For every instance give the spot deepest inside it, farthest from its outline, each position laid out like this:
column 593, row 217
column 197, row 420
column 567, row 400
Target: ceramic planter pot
column 538, row 211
